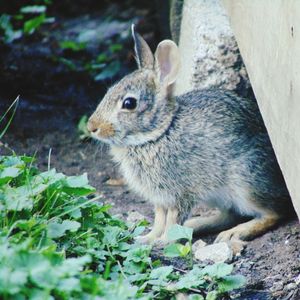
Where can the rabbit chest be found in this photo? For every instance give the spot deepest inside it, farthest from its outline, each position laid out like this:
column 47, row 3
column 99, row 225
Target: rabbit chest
column 142, row 172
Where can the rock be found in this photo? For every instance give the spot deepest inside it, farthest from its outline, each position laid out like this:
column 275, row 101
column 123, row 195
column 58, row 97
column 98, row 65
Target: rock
column 291, row 286
column 277, row 286
column 115, row 181
column 208, row 49
column 135, row 216
column 198, row 244
column 219, row 252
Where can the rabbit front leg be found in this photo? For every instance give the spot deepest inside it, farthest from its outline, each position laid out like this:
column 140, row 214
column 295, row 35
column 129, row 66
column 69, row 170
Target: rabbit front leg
column 158, row 226
column 172, row 219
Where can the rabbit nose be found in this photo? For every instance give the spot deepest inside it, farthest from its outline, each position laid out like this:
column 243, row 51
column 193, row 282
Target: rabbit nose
column 92, row 126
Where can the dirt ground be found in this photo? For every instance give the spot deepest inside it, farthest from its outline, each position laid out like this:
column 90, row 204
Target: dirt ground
column 52, row 101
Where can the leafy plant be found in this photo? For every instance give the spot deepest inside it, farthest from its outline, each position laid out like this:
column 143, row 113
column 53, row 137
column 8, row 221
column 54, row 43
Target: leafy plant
column 109, row 71
column 7, row 30
column 33, row 24
column 58, row 241
column 178, row 232
column 72, row 45
column 30, row 17
column 107, row 64
column 82, row 128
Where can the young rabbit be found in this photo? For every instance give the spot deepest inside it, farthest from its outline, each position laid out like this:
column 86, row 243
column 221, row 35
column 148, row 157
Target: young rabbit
column 205, row 146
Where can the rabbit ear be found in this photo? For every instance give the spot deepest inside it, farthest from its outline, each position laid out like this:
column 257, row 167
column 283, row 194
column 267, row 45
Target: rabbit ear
column 144, row 56
column 167, row 61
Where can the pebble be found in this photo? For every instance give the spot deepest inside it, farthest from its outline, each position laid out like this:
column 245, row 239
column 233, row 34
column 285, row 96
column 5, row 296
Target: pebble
column 277, row 286
column 115, row 182
column 197, row 245
column 291, row 286
column 219, row 252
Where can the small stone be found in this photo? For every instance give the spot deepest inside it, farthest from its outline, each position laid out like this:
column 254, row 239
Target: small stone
column 219, row 252
column 115, row 181
column 277, row 286
column 198, row 244
column 291, row 286
column 135, row 216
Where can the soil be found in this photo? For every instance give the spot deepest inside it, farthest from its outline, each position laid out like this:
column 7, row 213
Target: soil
column 53, row 101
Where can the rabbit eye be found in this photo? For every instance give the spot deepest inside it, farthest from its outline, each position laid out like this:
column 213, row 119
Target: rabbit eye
column 129, row 103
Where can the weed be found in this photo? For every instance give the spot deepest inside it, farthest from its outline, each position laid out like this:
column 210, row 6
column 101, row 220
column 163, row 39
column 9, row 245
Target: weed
column 29, row 19
column 82, row 128
column 58, row 241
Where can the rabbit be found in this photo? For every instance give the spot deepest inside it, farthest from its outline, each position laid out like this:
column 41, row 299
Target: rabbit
column 206, row 146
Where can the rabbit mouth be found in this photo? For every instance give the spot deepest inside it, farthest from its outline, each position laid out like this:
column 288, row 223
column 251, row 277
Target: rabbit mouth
column 102, row 131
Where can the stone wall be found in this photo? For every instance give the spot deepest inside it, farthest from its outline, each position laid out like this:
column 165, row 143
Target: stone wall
column 209, row 52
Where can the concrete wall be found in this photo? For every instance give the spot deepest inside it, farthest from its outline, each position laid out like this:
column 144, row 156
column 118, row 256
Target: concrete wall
column 268, row 35
column 208, row 49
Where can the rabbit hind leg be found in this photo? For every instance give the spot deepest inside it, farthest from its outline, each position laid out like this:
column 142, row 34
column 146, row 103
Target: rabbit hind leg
column 211, row 224
column 251, row 229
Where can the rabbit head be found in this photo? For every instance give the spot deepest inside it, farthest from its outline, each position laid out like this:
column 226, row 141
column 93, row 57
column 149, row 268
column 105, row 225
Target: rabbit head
column 139, row 108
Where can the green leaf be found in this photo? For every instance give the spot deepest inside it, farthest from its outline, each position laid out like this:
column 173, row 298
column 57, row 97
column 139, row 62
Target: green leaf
column 82, row 127
column 33, row 24
column 8, row 173
column 72, row 45
column 213, row 295
column 231, row 282
column 43, row 275
column 38, row 294
column 111, row 235
column 10, row 167
column 71, row 266
column 33, row 9
column 184, row 249
column 68, row 63
column 218, row 270
column 138, row 231
column 47, row 178
column 56, row 230
column 172, row 250
column 101, row 58
column 9, row 33
column 78, row 185
column 26, row 224
column 16, row 200
column 193, row 278
column 110, row 71
column 115, row 48
column 11, row 281
column 195, row 297
column 161, row 272
column 177, row 232
column 69, row 284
